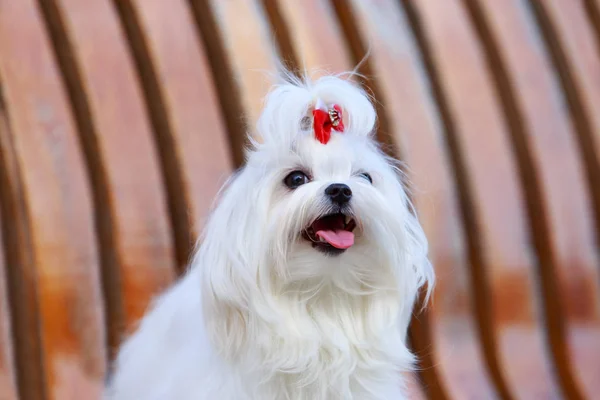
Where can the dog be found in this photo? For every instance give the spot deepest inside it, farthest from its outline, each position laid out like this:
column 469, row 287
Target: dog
column 307, row 271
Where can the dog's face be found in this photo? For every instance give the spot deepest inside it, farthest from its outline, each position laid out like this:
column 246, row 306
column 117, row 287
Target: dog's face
column 332, row 209
column 311, row 210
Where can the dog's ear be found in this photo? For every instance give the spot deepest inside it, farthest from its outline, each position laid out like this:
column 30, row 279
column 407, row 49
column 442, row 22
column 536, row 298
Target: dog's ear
column 419, row 273
column 227, row 260
column 410, row 247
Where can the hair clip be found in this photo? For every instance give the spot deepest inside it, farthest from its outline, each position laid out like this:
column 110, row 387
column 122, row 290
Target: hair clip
column 325, row 119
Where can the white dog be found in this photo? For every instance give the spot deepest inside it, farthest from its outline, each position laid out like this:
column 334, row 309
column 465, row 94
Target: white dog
column 306, row 276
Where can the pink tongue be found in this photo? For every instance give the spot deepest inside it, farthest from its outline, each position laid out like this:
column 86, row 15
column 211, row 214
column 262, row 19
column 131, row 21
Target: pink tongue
column 340, row 239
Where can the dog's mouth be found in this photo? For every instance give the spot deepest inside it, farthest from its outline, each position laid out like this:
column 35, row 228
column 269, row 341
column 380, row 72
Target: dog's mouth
column 331, row 233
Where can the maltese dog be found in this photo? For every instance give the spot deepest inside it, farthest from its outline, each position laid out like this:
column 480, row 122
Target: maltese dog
column 304, row 281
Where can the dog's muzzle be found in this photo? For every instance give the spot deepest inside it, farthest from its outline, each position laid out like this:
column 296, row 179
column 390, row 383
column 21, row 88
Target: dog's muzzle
column 331, row 233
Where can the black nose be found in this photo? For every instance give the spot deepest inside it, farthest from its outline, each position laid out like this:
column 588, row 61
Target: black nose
column 339, row 193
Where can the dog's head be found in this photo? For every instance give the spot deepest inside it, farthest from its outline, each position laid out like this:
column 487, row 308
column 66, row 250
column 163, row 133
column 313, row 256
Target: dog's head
column 307, row 211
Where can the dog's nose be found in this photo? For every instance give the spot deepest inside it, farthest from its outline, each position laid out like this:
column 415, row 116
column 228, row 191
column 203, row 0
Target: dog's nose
column 339, row 193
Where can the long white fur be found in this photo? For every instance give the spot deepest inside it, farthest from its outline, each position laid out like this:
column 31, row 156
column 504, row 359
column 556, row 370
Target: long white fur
column 260, row 314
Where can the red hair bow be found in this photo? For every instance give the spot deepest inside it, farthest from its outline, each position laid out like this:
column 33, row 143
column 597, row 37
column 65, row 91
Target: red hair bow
column 325, row 119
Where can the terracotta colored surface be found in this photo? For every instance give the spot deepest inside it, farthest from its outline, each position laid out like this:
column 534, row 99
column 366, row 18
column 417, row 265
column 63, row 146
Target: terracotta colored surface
column 198, row 140
column 243, row 27
column 132, row 192
column 569, row 38
column 404, row 90
column 7, row 368
column 59, row 282
column 554, row 153
column 581, row 51
column 315, row 37
column 499, row 235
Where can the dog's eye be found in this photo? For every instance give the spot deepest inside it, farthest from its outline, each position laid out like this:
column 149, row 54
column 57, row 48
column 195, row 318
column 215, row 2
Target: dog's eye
column 367, row 176
column 295, row 179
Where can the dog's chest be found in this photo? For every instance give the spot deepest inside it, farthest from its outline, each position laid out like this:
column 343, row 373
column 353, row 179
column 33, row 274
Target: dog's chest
column 333, row 349
column 331, row 372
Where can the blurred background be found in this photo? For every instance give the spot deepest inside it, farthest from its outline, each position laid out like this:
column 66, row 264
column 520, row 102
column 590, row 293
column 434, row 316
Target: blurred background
column 120, row 119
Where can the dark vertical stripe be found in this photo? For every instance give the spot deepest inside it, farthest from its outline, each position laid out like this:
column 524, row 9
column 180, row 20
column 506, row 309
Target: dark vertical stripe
column 20, row 271
column 104, row 224
column 227, row 89
column 178, row 197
